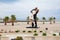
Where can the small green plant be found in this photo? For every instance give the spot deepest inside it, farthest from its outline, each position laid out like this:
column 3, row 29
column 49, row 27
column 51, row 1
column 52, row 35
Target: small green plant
column 44, row 34
column 17, row 31
column 5, row 31
column 0, row 35
column 35, row 34
column 35, row 31
column 46, row 28
column 54, row 34
column 18, row 38
column 24, row 31
column 2, row 30
column 41, row 31
column 29, row 31
column 59, row 33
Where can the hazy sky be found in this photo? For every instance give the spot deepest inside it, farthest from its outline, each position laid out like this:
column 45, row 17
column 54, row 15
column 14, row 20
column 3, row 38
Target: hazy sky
column 22, row 8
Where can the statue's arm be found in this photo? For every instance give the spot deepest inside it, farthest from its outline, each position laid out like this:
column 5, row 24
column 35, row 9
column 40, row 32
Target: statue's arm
column 32, row 10
column 37, row 11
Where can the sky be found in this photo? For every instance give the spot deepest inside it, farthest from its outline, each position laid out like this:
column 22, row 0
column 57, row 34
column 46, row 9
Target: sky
column 22, row 8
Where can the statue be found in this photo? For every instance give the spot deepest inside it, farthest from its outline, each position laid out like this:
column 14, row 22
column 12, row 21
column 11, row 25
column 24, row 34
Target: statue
column 34, row 13
column 33, row 17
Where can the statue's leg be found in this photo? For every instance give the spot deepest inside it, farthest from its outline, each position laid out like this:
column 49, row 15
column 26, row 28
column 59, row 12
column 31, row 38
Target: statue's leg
column 32, row 24
column 35, row 23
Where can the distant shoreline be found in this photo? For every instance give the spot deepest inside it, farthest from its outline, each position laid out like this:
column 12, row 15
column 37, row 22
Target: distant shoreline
column 27, row 21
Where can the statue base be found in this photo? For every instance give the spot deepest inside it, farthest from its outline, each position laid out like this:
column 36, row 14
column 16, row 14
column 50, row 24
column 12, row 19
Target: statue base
column 32, row 27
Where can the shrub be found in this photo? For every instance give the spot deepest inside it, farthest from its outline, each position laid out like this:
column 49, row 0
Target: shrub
column 24, row 31
column 19, row 38
column 5, row 31
column 41, row 31
column 2, row 30
column 35, row 31
column 44, row 34
column 54, row 34
column 46, row 28
column 0, row 35
column 59, row 33
column 29, row 31
column 35, row 34
column 17, row 31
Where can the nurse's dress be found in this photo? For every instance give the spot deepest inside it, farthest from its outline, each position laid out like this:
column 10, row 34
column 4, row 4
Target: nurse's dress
column 31, row 16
